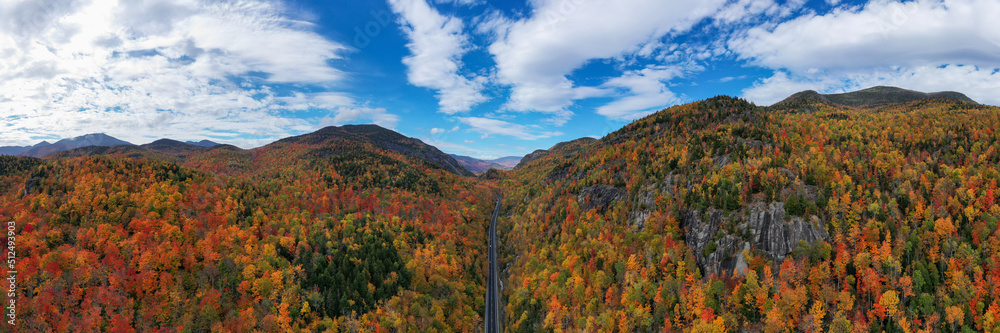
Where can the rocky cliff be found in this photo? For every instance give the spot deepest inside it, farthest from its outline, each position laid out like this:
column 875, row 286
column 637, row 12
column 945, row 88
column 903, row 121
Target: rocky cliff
column 764, row 227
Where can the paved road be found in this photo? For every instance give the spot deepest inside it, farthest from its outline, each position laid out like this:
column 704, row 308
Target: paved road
column 493, row 282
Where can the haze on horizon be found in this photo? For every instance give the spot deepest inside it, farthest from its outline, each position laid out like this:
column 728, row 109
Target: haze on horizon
column 477, row 78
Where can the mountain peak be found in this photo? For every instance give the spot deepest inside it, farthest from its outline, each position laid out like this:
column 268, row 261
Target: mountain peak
column 383, row 138
column 92, row 139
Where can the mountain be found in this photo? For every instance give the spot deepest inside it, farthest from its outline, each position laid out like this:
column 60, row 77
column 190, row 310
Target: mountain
column 17, row 150
column 172, row 145
column 96, row 139
column 715, row 215
column 479, row 165
column 202, row 143
column 561, row 148
column 385, row 139
column 874, row 96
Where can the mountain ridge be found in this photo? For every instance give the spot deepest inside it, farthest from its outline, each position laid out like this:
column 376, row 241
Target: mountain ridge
column 870, row 97
column 93, row 139
column 562, row 147
column 17, row 150
column 385, row 139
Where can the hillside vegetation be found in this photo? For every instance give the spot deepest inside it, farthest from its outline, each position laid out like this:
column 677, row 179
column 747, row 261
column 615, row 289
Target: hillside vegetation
column 720, row 215
column 326, row 232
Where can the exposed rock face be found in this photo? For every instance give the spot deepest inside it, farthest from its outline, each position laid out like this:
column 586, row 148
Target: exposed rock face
column 771, row 234
column 600, row 196
column 760, row 226
column 30, row 184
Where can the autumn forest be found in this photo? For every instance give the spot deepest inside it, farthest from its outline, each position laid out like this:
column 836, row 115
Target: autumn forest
column 811, row 215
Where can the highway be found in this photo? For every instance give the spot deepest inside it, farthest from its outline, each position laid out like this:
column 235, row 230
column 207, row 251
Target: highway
column 493, row 281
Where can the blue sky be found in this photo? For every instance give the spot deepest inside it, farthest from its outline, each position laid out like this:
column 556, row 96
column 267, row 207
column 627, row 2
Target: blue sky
column 472, row 77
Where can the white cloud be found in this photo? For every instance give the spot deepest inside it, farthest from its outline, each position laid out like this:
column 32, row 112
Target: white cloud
column 436, row 130
column 488, row 127
column 150, row 69
column 454, row 148
column 740, row 12
column 926, row 45
column 737, row 11
column 535, row 55
column 880, row 34
column 461, row 2
column 340, row 107
column 647, row 92
column 732, row 78
column 377, row 116
column 771, row 90
column 437, row 44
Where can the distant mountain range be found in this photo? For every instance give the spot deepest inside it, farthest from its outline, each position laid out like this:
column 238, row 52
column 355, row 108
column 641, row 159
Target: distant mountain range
column 96, row 139
column 479, row 165
column 99, row 143
column 463, row 165
column 326, row 142
column 17, row 150
column 45, row 148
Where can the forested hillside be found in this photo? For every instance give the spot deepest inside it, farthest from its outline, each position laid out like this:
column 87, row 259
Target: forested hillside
column 720, row 215
column 321, row 233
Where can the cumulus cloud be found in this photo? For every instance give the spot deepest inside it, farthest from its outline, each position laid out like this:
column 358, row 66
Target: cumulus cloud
column 535, row 55
column 880, row 34
column 647, row 92
column 488, row 126
column 461, row 149
column 461, row 2
column 925, row 45
column 149, row 69
column 378, row 116
column 741, row 11
column 437, row 43
column 436, row 130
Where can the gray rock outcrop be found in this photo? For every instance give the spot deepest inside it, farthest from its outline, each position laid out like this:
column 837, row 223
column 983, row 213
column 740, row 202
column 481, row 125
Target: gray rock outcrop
column 760, row 226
